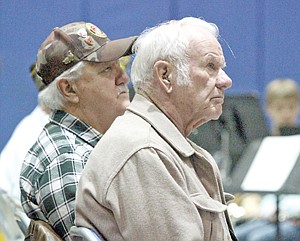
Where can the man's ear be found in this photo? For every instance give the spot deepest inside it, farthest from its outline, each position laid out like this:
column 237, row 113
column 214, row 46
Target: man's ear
column 164, row 73
column 68, row 89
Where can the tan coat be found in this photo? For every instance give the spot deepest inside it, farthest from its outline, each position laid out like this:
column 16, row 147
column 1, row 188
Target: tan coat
column 145, row 181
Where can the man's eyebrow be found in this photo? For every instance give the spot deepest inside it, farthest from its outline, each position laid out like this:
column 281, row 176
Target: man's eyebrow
column 220, row 60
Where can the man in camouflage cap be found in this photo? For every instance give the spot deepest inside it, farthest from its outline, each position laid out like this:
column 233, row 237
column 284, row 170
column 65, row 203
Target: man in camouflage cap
column 86, row 89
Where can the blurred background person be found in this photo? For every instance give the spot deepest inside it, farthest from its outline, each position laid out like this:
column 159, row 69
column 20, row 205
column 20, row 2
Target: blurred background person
column 283, row 104
column 23, row 137
column 12, row 156
column 283, row 108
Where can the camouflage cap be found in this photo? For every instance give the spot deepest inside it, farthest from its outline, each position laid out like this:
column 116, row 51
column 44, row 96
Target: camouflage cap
column 74, row 42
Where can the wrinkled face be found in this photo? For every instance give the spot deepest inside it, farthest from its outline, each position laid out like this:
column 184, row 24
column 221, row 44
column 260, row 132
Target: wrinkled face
column 205, row 96
column 284, row 112
column 102, row 90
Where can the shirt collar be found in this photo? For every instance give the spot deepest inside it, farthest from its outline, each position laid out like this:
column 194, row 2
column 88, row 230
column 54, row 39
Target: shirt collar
column 159, row 121
column 76, row 126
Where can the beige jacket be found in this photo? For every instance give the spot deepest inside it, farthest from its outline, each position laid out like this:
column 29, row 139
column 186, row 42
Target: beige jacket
column 145, row 181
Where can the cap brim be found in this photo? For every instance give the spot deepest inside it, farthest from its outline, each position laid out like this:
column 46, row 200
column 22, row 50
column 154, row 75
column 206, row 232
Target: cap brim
column 114, row 50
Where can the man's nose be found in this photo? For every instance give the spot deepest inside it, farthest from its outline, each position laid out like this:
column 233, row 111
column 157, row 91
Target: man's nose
column 121, row 75
column 223, row 80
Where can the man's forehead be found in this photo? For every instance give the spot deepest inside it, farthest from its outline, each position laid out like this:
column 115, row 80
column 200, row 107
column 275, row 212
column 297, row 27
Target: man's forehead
column 205, row 41
column 208, row 51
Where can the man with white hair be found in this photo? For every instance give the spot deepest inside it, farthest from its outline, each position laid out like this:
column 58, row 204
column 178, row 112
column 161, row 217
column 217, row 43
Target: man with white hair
column 86, row 90
column 156, row 184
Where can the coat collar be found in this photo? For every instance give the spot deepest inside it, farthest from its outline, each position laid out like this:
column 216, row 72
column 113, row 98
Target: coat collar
column 144, row 108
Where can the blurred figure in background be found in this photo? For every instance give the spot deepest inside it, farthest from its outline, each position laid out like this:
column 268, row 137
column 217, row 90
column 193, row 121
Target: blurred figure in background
column 12, row 156
column 283, row 104
column 23, row 137
column 283, row 108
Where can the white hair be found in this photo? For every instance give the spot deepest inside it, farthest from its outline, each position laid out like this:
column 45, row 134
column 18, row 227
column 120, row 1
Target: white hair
column 167, row 41
column 51, row 95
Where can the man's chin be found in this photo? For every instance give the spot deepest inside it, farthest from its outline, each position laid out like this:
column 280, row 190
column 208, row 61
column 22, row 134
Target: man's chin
column 126, row 103
column 123, row 106
column 216, row 117
column 217, row 112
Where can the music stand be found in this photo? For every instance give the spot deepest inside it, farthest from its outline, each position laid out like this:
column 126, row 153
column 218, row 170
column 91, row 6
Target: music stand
column 268, row 165
column 241, row 122
column 288, row 131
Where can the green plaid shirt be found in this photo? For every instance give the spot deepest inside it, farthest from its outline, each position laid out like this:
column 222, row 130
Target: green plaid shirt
column 52, row 168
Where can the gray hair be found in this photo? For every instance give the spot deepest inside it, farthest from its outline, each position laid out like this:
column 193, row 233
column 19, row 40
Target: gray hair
column 168, row 42
column 51, row 95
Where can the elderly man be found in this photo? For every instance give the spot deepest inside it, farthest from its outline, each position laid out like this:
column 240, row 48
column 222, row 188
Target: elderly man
column 86, row 89
column 156, row 184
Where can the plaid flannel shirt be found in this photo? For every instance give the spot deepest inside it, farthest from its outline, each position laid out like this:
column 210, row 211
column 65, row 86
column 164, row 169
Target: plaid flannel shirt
column 52, row 168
